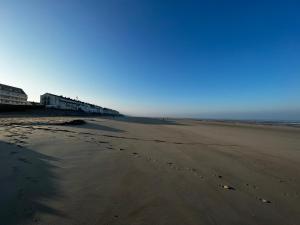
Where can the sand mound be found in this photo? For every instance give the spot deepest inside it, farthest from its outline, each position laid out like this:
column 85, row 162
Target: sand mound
column 73, row 122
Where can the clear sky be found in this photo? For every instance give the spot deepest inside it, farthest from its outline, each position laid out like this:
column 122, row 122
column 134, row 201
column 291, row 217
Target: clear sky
column 231, row 59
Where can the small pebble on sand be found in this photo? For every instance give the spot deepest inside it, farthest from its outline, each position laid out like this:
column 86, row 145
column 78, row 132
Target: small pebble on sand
column 264, row 200
column 227, row 187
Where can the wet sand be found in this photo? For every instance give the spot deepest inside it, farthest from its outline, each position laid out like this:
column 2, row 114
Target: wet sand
column 147, row 172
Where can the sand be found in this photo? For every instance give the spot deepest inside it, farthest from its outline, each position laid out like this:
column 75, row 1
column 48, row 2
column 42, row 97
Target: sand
column 134, row 171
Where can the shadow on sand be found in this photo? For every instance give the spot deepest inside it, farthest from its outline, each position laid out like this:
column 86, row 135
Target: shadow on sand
column 26, row 179
column 96, row 126
column 67, row 123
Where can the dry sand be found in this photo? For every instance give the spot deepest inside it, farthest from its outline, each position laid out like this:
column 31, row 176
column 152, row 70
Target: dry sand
column 147, row 172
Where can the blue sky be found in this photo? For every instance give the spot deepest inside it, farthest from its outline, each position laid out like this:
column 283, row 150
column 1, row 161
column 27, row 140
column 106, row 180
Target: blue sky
column 157, row 58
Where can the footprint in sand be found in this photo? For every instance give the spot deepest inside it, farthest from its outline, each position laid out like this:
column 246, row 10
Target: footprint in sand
column 135, row 154
column 193, row 170
column 173, row 165
column 251, row 186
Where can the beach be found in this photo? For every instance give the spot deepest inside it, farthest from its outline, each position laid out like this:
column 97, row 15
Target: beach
column 139, row 171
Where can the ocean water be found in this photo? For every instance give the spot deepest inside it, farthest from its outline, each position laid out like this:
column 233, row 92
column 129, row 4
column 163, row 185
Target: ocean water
column 293, row 123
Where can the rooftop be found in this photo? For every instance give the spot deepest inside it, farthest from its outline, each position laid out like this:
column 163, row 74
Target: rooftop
column 11, row 88
column 60, row 96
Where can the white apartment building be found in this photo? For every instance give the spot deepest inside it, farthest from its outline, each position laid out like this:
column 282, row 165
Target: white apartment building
column 12, row 95
column 60, row 102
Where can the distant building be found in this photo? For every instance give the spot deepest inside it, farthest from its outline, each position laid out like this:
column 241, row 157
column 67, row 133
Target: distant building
column 12, row 95
column 60, row 102
column 107, row 111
